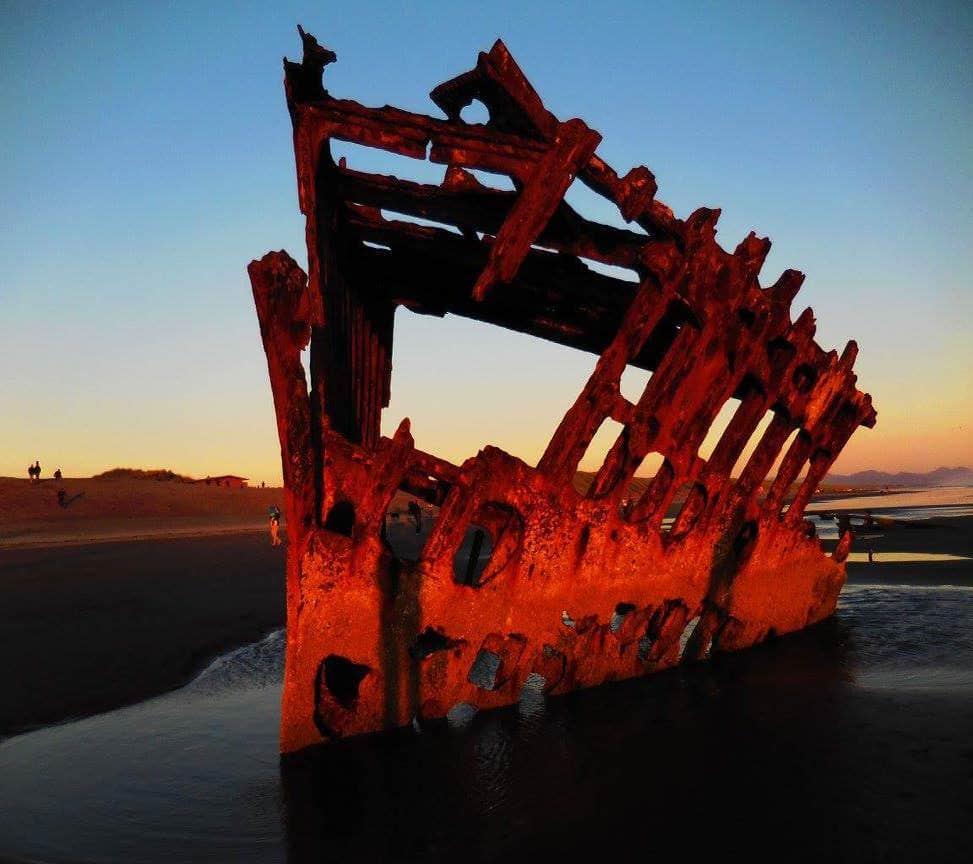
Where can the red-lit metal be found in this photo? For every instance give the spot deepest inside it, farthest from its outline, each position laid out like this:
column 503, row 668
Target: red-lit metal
column 581, row 586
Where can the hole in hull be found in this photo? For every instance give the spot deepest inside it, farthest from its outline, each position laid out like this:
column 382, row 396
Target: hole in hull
column 483, row 672
column 407, row 526
column 601, row 442
column 461, row 715
column 717, row 428
column 687, row 635
column 343, row 678
column 678, row 500
column 431, row 641
column 473, row 556
column 341, row 518
column 633, row 382
column 618, row 616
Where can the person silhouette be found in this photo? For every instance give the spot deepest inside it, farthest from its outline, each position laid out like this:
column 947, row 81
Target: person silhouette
column 274, row 513
column 415, row 511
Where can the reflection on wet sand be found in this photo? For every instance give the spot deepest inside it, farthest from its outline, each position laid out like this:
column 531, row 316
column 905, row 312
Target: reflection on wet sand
column 852, row 736
column 773, row 744
column 906, row 557
column 580, row 776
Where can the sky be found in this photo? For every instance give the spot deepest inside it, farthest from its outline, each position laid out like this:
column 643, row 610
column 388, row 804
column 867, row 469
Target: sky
column 146, row 158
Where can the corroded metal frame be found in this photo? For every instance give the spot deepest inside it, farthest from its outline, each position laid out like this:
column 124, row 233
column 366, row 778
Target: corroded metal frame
column 581, row 587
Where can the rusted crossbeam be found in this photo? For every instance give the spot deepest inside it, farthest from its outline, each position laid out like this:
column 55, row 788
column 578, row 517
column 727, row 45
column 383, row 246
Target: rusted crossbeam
column 470, row 205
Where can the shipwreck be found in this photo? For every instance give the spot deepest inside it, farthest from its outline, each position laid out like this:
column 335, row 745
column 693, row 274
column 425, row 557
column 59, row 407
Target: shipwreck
column 578, row 587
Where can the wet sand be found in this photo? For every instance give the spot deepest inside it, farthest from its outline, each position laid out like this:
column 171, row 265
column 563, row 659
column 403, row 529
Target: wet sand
column 814, row 740
column 772, row 754
column 952, row 536
column 87, row 628
column 846, row 742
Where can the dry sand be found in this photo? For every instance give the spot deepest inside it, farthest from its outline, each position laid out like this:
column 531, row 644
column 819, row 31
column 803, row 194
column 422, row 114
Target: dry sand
column 112, row 510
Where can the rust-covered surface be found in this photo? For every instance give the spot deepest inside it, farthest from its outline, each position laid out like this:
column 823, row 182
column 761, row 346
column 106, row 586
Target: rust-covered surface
column 570, row 589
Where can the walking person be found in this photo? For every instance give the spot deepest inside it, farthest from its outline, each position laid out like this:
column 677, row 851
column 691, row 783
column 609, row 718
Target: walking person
column 274, row 512
column 415, row 511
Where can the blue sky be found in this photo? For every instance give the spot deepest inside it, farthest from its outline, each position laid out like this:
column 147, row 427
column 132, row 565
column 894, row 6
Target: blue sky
column 146, row 159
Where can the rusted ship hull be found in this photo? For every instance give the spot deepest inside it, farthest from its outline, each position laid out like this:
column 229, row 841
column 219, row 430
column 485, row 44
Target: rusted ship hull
column 578, row 588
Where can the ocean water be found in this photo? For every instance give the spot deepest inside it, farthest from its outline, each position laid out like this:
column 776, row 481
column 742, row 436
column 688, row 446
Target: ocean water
column 926, row 505
column 853, row 735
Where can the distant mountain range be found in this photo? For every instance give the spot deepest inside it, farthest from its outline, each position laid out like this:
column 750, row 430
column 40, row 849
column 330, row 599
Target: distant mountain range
column 872, row 478
column 939, row 477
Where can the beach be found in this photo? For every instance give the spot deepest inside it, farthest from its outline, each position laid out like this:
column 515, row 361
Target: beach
column 918, row 537
column 848, row 741
column 127, row 591
column 90, row 622
column 104, row 511
column 937, row 551
column 851, row 736
column 87, row 628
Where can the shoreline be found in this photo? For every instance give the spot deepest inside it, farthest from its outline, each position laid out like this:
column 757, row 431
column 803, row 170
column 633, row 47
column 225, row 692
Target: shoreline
column 60, row 541
column 938, row 536
column 91, row 627
column 88, row 628
column 202, row 663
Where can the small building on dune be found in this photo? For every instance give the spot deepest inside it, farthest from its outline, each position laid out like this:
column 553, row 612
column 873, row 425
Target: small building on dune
column 226, row 480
